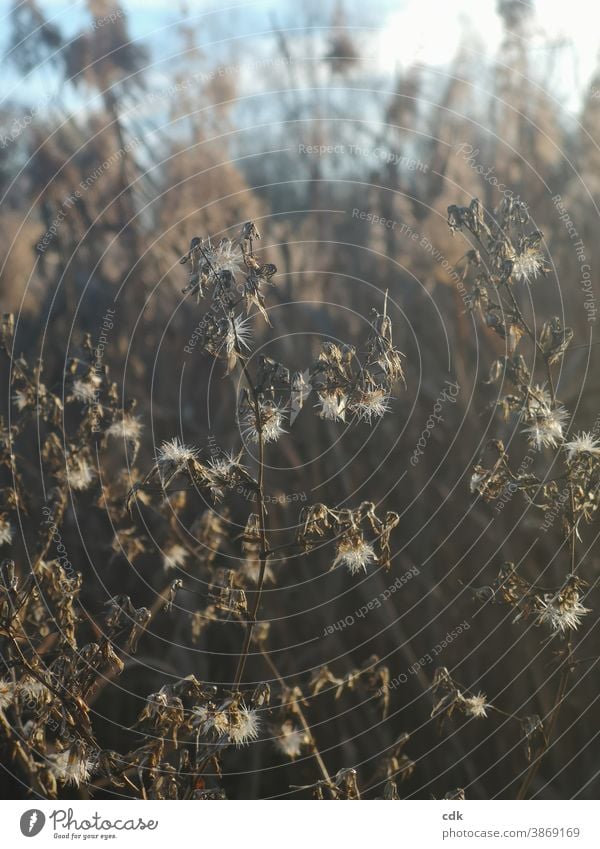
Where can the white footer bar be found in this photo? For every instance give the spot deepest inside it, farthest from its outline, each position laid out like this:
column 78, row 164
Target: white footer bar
column 298, row 824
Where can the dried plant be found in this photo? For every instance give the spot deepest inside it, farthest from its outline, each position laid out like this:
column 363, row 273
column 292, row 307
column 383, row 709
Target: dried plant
column 54, row 673
column 60, row 654
column 560, row 472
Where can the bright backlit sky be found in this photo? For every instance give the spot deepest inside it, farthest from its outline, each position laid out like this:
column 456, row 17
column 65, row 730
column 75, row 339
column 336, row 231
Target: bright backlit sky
column 391, row 33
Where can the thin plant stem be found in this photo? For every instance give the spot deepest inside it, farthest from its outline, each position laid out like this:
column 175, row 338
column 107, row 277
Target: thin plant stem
column 305, row 726
column 534, row 768
column 263, row 553
column 550, row 382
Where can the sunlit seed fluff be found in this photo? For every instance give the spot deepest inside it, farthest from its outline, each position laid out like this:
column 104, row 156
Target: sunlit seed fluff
column 80, row 474
column 476, row 480
column 69, row 767
column 7, row 691
column 272, row 418
column 21, row 400
column 562, row 614
column 583, row 443
column 6, row 531
column 539, row 398
column 224, row 464
column 85, row 391
column 127, row 428
column 226, row 257
column 174, row 557
column 239, row 334
column 528, row 265
column 174, row 451
column 210, row 720
column 372, row 405
column 33, row 691
column 475, row 706
column 541, row 435
column 333, row 406
column 251, row 569
column 290, row 740
column 355, row 554
column 243, row 726
column 546, row 430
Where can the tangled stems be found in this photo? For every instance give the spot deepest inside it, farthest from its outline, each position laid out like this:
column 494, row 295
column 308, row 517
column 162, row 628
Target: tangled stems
column 187, row 725
column 305, row 726
column 513, row 257
column 535, row 341
column 562, row 684
column 564, row 676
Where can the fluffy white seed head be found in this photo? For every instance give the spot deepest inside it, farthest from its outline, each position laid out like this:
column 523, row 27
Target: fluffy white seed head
column 545, row 427
column 6, row 531
column 128, row 428
column 354, row 553
column 71, row 767
column 244, row 725
column 239, row 334
column 475, row 706
column 372, row 405
column 80, row 475
column 174, row 557
column 583, row 443
column 272, row 419
column 85, row 391
column 333, row 406
column 528, row 265
column 562, row 614
column 290, row 740
column 7, row 691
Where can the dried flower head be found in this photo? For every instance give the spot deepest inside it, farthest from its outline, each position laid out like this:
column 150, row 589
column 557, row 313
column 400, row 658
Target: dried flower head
column 272, row 417
column 6, row 530
column 290, row 739
column 171, row 458
column 562, row 612
column 80, row 473
column 22, row 399
column 210, row 719
column 244, row 725
column 354, row 552
column 225, row 464
column 227, row 256
column 528, row 264
column 33, row 691
column 333, row 405
column 86, row 391
column 127, row 429
column 174, row 557
column 7, row 691
column 71, row 766
column 174, row 452
column 545, row 425
column 476, row 481
column 583, row 443
column 371, row 404
column 239, row 334
column 475, row 705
